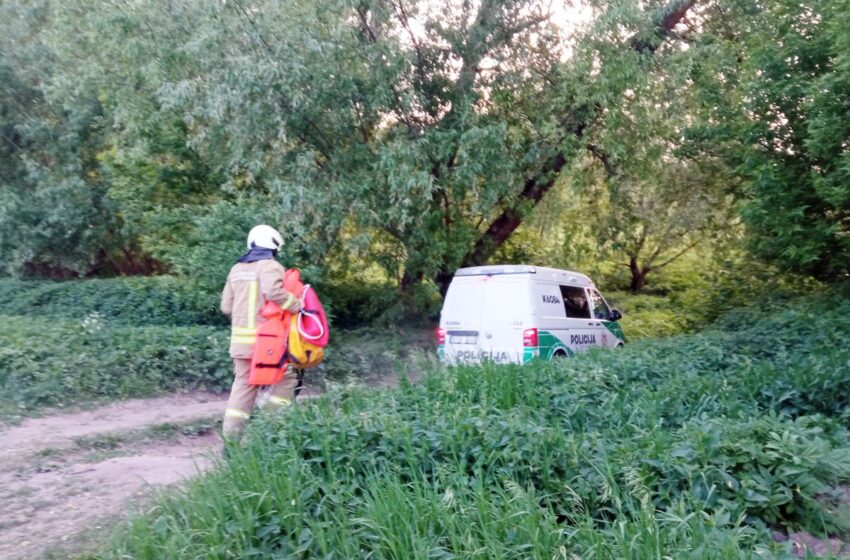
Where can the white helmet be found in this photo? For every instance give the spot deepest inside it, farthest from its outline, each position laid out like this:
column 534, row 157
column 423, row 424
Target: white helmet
column 266, row 237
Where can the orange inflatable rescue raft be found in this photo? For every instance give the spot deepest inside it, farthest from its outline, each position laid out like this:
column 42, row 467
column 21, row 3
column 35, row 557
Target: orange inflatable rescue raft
column 308, row 330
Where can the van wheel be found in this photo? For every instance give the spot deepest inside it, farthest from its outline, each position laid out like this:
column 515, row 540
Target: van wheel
column 559, row 354
column 621, row 345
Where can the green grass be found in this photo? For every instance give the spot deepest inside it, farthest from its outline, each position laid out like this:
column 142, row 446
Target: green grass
column 696, row 446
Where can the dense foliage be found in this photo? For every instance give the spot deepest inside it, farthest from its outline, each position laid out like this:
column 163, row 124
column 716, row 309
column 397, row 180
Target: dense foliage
column 128, row 337
column 686, row 448
column 774, row 101
column 393, row 143
column 174, row 300
column 60, row 362
column 661, row 146
column 77, row 341
column 159, row 300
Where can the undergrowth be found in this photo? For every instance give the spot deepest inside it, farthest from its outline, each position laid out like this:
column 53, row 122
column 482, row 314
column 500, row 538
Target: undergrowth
column 63, row 362
column 156, row 300
column 696, row 446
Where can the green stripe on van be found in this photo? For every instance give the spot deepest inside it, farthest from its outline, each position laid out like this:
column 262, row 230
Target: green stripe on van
column 615, row 329
column 549, row 344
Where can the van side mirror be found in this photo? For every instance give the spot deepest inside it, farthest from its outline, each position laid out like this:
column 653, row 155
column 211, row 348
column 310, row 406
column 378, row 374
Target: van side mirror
column 615, row 315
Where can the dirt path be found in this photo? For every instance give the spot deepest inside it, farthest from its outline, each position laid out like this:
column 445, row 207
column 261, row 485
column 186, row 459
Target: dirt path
column 64, row 474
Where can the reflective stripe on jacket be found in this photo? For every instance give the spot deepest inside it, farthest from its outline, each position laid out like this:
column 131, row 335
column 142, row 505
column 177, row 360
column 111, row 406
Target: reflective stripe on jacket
column 248, row 287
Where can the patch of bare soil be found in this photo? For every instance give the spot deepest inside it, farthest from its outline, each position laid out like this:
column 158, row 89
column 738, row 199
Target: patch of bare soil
column 55, row 483
column 803, row 544
column 806, row 545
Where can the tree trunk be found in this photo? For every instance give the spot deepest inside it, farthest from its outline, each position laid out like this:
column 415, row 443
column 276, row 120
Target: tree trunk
column 502, row 227
column 638, row 275
column 408, row 280
column 443, row 279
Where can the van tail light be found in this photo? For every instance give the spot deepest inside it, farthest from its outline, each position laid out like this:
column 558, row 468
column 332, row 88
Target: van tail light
column 529, row 338
column 441, row 336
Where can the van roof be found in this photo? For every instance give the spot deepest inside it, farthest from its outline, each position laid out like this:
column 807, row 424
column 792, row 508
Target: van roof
column 542, row 272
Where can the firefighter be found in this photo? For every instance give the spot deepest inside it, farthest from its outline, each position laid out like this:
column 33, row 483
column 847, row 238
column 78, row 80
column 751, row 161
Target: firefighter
column 256, row 278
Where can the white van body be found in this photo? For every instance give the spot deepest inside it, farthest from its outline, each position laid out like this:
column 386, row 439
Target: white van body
column 515, row 313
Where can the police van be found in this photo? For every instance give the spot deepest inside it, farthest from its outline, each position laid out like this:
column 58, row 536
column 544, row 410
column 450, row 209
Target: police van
column 515, row 313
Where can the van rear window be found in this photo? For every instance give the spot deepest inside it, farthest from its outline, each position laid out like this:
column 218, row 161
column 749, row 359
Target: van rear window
column 575, row 302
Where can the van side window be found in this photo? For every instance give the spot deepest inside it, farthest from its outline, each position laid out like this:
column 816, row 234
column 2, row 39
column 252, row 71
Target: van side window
column 599, row 307
column 575, row 304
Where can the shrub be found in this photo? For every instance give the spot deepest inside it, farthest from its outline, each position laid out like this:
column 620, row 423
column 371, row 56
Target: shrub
column 353, row 305
column 172, row 300
column 648, row 316
column 159, row 300
column 60, row 362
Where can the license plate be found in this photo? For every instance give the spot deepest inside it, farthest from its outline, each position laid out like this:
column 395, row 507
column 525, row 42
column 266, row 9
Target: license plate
column 455, row 339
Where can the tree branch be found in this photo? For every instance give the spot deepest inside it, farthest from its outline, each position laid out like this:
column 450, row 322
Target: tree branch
column 405, row 22
column 325, row 147
column 610, row 170
column 670, row 16
column 374, row 38
column 471, row 56
column 677, row 255
column 366, row 25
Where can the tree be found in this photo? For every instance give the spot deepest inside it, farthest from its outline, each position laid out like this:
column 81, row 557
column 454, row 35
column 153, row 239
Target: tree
column 648, row 201
column 776, row 96
column 55, row 216
column 652, row 221
column 428, row 137
column 437, row 138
